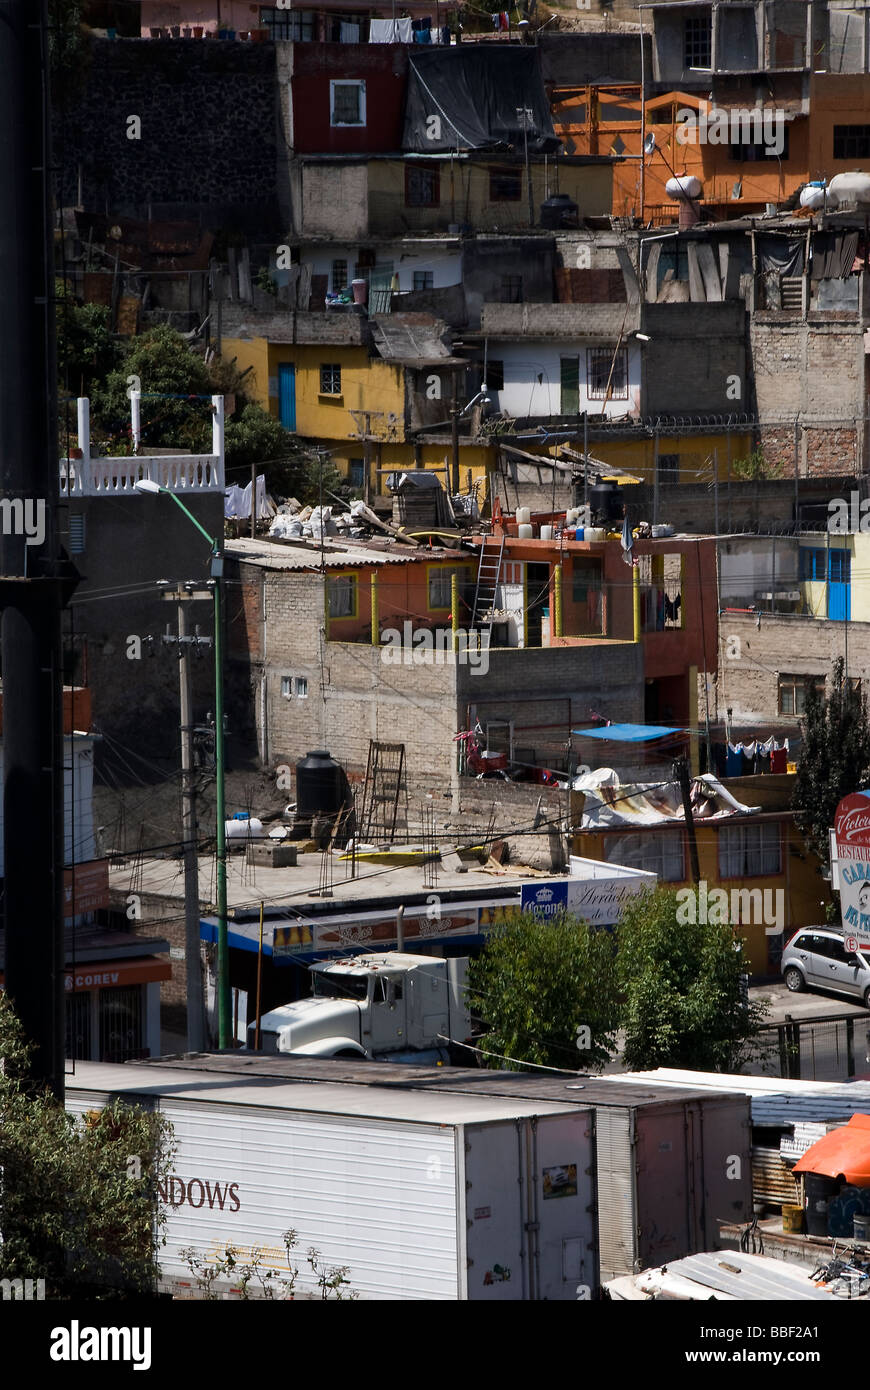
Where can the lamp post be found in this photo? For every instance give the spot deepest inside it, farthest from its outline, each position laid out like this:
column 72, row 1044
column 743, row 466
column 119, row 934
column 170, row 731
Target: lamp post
column 217, row 565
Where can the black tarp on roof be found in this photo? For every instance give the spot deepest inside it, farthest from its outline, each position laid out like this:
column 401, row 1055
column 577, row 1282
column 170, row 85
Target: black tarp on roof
column 471, row 97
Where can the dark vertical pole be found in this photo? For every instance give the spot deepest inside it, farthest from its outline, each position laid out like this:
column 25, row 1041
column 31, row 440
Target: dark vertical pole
column 30, row 573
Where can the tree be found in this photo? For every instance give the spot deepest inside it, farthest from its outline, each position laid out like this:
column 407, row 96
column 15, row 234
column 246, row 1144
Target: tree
column 546, row 993
column 834, row 759
column 254, row 436
column 684, row 989
column 176, row 390
column 86, row 350
column 77, row 1196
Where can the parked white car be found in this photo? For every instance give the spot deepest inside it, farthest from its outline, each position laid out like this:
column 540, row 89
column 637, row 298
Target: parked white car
column 816, row 958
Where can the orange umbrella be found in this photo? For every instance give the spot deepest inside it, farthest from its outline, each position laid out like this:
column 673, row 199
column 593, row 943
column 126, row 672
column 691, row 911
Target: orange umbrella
column 845, row 1151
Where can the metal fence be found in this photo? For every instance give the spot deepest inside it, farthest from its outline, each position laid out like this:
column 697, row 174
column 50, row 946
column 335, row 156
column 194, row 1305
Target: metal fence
column 831, row 1048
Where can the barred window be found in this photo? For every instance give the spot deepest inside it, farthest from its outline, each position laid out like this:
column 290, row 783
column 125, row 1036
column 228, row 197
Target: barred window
column 330, row 379
column 603, row 365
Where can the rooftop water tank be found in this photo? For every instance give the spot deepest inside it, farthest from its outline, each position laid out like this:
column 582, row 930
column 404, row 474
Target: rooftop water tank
column 853, row 187
column 319, row 785
column 685, row 186
column 606, row 503
column 559, row 211
column 812, row 197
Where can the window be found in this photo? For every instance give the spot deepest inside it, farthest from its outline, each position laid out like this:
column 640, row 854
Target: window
column 339, row 276
column 747, row 151
column 793, row 692
column 669, row 468
column 302, row 687
column 440, row 587
column 291, row 26
column 347, row 103
column 341, row 596
column 813, row 564
column 511, row 289
column 422, row 187
column 494, row 375
column 286, row 686
column 505, row 185
column 852, row 141
column 698, row 41
column 749, row 851
column 660, row 852
column 330, row 379
column 603, row 365
column 356, row 472
column 424, row 280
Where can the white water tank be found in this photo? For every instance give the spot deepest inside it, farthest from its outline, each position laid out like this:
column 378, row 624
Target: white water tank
column 812, row 197
column 686, row 186
column 853, row 187
column 241, row 829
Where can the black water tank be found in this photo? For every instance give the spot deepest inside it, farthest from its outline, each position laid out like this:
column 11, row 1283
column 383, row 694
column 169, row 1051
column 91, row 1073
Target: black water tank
column 606, row 503
column 319, row 785
column 559, row 211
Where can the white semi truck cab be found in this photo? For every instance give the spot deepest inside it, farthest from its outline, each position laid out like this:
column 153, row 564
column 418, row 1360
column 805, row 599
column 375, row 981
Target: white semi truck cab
column 393, row 1007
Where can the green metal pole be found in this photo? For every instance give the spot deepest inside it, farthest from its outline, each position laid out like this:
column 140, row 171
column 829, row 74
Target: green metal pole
column 223, row 954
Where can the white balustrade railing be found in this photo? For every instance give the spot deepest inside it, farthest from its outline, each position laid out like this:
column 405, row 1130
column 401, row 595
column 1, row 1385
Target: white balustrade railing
column 118, row 476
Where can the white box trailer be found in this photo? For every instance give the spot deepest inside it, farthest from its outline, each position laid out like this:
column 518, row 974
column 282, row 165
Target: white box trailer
column 670, row 1161
column 421, row 1196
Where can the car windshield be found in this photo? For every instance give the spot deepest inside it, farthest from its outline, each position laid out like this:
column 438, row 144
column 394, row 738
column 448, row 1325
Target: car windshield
column 340, row 986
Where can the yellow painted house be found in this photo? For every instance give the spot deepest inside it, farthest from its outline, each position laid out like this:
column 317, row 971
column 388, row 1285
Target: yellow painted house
column 348, row 401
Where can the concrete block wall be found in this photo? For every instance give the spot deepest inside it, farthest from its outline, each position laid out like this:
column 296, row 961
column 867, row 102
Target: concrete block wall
column 779, row 645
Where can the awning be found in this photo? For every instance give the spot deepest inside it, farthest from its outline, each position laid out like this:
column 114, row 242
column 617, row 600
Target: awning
column 628, row 733
column 845, row 1151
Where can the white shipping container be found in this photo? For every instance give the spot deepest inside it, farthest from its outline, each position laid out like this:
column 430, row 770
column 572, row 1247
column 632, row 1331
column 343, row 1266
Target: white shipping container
column 421, row 1196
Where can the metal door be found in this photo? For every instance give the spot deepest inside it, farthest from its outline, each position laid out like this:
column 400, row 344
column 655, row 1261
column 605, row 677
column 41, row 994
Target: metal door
column 839, row 585
column 287, row 395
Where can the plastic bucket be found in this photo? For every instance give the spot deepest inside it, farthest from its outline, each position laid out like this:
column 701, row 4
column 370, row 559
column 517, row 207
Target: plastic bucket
column 818, row 1192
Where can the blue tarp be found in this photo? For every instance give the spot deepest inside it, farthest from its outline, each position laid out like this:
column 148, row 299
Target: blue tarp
column 628, row 733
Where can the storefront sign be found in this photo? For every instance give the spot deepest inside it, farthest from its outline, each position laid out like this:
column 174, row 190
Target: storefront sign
column 85, row 888
column 852, row 845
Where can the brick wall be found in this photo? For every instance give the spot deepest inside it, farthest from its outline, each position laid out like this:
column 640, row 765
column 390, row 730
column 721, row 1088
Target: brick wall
column 779, row 645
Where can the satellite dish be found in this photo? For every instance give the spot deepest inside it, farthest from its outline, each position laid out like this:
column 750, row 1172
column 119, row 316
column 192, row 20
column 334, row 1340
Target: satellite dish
column 649, row 143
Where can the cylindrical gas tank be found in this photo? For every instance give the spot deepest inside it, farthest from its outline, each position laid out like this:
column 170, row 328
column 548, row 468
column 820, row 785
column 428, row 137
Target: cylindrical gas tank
column 812, row 197
column 853, row 187
column 684, row 186
column 319, row 785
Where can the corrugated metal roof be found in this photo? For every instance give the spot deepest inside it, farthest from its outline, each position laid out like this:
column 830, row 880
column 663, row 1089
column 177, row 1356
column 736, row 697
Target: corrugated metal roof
column 774, row 1100
column 741, row 1277
column 284, row 555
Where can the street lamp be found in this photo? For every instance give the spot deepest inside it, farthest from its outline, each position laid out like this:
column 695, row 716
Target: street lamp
column 217, row 566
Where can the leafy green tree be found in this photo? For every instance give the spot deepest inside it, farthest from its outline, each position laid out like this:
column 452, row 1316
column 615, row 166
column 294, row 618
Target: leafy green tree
column 834, row 759
column 86, row 349
column 176, row 387
column 546, row 992
column 684, row 989
column 78, row 1198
